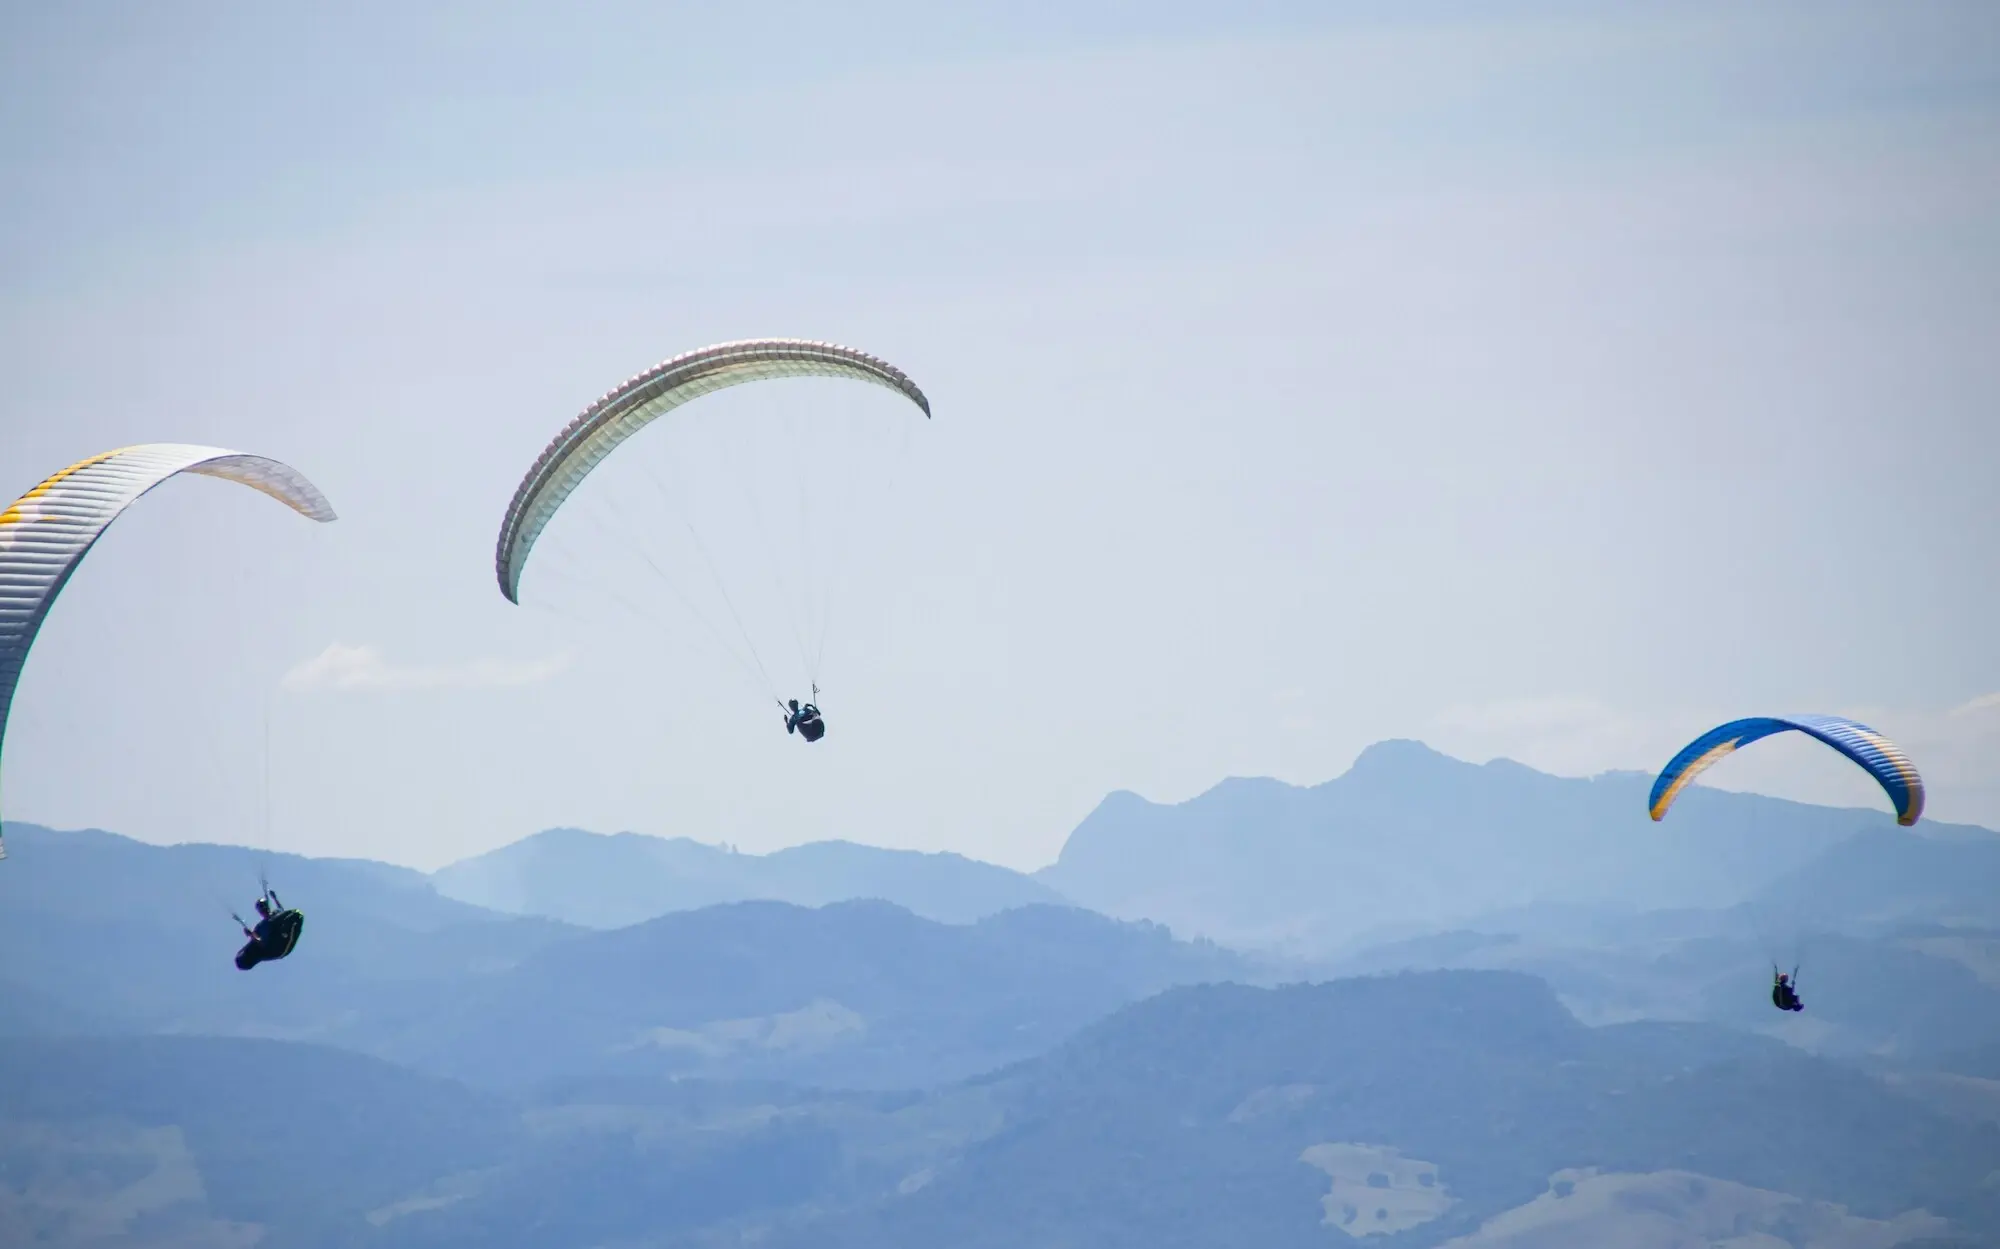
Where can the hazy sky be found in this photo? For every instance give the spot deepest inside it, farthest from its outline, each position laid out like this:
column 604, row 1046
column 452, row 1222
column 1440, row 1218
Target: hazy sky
column 1531, row 379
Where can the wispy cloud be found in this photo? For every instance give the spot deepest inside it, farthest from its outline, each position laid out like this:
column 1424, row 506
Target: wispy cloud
column 1985, row 702
column 343, row 667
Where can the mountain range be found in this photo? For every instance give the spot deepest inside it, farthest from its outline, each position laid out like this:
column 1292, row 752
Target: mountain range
column 1453, row 1021
column 859, row 993
column 852, row 995
column 1406, row 841
column 1466, row 1109
column 1518, row 870
column 611, row 881
column 1425, row 1108
column 1409, row 840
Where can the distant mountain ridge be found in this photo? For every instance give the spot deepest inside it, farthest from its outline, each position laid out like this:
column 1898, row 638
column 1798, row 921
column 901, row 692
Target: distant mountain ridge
column 105, row 933
column 1406, row 841
column 1409, row 839
column 611, row 881
column 1410, row 860
column 852, row 994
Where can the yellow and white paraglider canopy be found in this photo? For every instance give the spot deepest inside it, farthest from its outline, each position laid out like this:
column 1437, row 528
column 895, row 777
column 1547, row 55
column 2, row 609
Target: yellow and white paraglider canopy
column 46, row 532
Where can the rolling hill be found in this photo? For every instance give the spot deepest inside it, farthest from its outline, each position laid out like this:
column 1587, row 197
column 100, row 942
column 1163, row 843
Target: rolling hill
column 1428, row 1108
column 855, row 994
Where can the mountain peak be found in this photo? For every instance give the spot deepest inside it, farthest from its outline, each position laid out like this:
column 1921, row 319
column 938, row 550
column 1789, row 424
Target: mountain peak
column 1410, row 835
column 1401, row 756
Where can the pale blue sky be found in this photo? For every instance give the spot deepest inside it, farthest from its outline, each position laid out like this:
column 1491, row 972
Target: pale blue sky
column 1531, row 379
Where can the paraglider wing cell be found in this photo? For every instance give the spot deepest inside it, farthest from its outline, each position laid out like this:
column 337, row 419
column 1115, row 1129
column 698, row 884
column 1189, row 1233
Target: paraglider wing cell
column 1874, row 753
column 46, row 532
column 586, row 441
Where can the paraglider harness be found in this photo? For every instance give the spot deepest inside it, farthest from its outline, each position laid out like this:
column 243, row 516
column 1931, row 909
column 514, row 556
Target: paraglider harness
column 1785, row 990
column 805, row 720
column 277, row 931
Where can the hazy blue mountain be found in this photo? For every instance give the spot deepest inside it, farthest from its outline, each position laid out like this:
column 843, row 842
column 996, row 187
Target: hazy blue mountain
column 29, row 1012
column 1427, row 1105
column 1409, row 840
column 139, row 937
column 1432, row 1106
column 1882, row 928
column 851, row 994
column 1879, row 996
column 1889, row 877
column 612, row 881
column 198, row 1140
column 854, row 993
column 175, row 1142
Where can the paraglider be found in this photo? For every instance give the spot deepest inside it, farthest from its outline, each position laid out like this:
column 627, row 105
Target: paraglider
column 46, row 533
column 275, row 934
column 593, row 435
column 599, row 429
column 1874, row 753
column 1784, row 990
column 805, row 721
column 1868, row 749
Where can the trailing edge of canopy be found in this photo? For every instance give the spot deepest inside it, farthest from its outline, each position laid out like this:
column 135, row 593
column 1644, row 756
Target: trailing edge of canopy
column 599, row 429
column 1868, row 749
column 46, row 532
